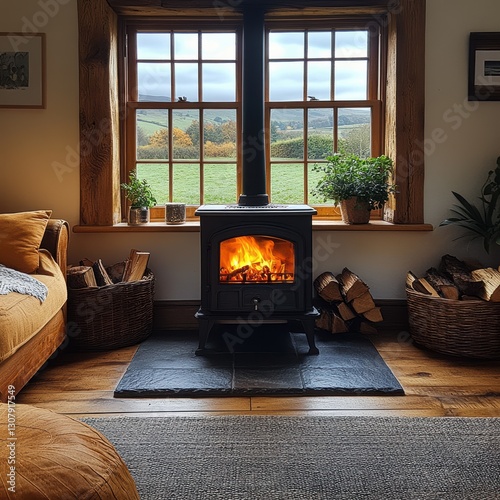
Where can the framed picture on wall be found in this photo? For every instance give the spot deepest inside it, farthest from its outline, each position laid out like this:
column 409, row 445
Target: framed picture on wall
column 22, row 70
column 484, row 67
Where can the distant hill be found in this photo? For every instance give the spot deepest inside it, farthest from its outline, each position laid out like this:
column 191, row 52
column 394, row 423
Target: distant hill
column 153, row 98
column 153, row 119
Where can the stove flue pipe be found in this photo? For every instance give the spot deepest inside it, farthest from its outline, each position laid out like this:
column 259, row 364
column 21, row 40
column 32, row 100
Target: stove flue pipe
column 254, row 163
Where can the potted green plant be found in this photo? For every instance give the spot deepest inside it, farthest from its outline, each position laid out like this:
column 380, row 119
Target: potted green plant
column 141, row 199
column 483, row 222
column 358, row 185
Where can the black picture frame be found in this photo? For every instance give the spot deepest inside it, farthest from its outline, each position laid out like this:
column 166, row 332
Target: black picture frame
column 484, row 66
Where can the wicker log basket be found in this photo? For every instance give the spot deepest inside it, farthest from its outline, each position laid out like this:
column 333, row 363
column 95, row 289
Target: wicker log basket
column 455, row 327
column 111, row 316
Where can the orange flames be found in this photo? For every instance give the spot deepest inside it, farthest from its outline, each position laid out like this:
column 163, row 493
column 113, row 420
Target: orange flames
column 256, row 259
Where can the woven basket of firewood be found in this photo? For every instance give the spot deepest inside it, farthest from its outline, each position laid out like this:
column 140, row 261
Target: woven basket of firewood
column 469, row 328
column 455, row 308
column 111, row 316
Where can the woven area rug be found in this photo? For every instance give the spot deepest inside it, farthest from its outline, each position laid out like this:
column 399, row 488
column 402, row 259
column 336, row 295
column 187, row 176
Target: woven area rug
column 307, row 458
column 270, row 361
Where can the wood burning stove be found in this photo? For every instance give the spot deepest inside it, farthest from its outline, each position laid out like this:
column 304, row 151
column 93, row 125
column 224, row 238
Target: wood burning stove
column 256, row 266
column 256, row 263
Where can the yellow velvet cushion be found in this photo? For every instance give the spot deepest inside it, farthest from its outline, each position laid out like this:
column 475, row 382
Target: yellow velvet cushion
column 21, row 234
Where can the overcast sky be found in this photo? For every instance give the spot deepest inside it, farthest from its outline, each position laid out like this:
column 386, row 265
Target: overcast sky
column 286, row 75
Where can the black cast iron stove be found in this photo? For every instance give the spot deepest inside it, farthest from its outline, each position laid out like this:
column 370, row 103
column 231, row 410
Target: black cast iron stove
column 256, row 257
column 256, row 266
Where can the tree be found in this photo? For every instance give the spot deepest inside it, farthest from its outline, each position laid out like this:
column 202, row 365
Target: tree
column 159, row 138
column 194, row 132
column 228, row 130
column 181, row 138
column 356, row 141
column 142, row 138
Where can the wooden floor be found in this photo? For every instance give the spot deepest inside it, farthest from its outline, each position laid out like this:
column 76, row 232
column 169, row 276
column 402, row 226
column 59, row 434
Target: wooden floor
column 82, row 384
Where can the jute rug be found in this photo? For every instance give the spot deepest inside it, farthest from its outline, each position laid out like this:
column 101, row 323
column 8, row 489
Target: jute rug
column 308, row 458
column 270, row 361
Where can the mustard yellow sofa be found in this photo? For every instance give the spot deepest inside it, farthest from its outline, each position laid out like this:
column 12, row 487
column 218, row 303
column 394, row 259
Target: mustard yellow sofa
column 31, row 330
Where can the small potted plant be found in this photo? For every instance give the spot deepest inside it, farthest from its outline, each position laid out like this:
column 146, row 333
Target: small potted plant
column 482, row 222
column 141, row 199
column 357, row 185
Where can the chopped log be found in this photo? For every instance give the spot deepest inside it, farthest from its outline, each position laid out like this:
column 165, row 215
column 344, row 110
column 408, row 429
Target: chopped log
column 330, row 321
column 491, row 279
column 338, row 325
column 80, row 277
column 470, row 297
column 365, row 327
column 352, row 285
column 327, row 287
column 374, row 315
column 420, row 285
column 116, row 271
column 101, row 275
column 460, row 273
column 324, row 322
column 345, row 312
column 363, row 303
column 442, row 284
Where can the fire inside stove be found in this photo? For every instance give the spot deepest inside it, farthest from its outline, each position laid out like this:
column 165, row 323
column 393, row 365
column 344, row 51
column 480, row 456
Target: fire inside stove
column 256, row 259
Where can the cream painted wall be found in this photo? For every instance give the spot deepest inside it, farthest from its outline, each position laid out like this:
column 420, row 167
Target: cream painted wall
column 32, row 142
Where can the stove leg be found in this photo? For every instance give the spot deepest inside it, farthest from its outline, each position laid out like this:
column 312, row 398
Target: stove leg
column 205, row 327
column 308, row 325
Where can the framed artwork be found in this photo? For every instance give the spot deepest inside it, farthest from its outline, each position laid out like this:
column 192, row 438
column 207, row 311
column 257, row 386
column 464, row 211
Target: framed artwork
column 22, row 70
column 484, row 67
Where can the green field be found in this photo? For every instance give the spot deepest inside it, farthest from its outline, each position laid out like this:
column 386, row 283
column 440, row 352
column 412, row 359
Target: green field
column 287, row 183
column 219, row 180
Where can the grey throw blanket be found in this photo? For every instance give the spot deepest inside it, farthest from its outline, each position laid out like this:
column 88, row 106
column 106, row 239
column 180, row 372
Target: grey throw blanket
column 15, row 281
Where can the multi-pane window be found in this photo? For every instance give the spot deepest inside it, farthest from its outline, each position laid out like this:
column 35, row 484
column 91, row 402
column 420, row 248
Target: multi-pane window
column 184, row 107
column 182, row 118
column 322, row 97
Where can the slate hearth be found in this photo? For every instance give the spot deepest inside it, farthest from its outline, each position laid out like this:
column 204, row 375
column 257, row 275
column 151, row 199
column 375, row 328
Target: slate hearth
column 271, row 361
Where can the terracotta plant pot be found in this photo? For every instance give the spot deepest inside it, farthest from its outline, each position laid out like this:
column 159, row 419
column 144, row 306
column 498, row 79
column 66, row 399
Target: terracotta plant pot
column 354, row 211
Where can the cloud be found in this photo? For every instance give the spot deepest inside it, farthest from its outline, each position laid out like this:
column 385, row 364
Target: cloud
column 286, row 77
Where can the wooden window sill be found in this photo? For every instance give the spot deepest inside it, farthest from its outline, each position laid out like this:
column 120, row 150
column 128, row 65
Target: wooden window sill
column 194, row 226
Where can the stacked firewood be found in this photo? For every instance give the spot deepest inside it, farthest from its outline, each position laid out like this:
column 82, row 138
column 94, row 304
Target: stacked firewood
column 458, row 280
column 345, row 303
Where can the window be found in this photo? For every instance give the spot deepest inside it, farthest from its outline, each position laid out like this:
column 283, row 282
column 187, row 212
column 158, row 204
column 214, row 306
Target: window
column 323, row 97
column 183, row 111
column 400, row 61
column 184, row 107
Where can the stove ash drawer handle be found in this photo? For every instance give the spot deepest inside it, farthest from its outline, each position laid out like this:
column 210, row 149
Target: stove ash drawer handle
column 256, row 301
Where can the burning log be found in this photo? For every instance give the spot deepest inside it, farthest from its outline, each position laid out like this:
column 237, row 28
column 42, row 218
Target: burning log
column 232, row 274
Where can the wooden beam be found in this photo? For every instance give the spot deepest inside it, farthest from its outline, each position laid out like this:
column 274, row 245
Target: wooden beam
column 99, row 114
column 405, row 95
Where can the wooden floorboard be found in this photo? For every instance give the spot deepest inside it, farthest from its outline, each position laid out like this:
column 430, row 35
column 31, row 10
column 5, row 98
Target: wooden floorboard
column 82, row 385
